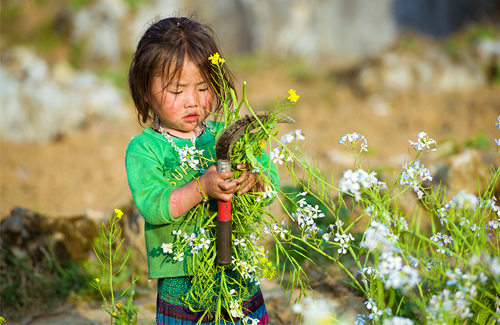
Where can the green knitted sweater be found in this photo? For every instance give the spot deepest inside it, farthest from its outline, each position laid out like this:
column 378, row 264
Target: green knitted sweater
column 153, row 172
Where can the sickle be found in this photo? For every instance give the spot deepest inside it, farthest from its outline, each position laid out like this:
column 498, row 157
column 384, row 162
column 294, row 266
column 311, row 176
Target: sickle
column 223, row 149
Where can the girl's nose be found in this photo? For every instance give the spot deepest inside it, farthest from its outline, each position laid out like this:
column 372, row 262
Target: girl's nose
column 191, row 100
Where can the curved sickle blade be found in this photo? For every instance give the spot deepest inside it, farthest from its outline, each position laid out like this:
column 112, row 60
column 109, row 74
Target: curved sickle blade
column 235, row 130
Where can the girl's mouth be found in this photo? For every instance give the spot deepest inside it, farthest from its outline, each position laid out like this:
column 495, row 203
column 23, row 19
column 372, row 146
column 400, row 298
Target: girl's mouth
column 191, row 118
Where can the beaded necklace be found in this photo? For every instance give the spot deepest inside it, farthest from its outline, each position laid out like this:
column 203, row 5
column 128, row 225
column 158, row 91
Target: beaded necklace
column 186, row 154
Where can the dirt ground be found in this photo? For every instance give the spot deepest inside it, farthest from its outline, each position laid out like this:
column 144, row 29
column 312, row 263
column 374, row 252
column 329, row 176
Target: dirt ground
column 84, row 171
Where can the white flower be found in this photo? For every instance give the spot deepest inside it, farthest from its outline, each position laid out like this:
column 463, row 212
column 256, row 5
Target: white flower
column 179, row 257
column 167, row 248
column 498, row 124
column 239, row 242
column 423, row 141
column 352, row 138
column 204, row 243
column 269, row 194
column 298, row 135
column 287, row 138
column 235, row 309
column 277, row 156
column 250, row 321
column 177, row 232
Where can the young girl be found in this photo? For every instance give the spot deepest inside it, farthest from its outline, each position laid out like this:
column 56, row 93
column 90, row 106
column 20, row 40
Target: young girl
column 172, row 86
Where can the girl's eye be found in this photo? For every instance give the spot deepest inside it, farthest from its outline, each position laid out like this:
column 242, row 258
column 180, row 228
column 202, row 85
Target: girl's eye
column 204, row 89
column 175, row 92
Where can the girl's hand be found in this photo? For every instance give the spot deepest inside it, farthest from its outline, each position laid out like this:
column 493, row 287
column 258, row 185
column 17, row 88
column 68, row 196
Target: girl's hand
column 214, row 185
column 247, row 181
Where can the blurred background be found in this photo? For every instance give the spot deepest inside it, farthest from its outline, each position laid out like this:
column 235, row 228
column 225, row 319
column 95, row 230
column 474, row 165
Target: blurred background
column 387, row 69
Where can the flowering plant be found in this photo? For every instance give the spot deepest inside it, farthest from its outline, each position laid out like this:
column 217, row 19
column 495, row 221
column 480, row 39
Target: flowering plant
column 442, row 273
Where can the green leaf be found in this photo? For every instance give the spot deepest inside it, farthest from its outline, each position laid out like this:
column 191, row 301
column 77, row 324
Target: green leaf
column 251, row 157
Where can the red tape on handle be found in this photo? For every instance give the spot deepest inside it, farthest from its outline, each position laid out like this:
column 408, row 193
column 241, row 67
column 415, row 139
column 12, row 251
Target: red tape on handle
column 224, row 210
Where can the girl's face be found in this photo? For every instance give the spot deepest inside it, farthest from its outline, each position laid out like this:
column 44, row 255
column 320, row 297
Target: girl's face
column 183, row 104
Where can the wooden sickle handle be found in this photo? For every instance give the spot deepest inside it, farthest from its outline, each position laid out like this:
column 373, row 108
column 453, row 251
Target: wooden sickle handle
column 224, row 231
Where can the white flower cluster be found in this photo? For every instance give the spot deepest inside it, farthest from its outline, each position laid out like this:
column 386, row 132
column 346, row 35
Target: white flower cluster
column 473, row 227
column 196, row 242
column 279, row 155
column 448, row 305
column 397, row 275
column 494, row 224
column 497, row 141
column 494, row 266
column 344, row 241
column 266, row 195
column 188, row 155
column 461, row 280
column 306, row 215
column 277, row 229
column 442, row 213
column 375, row 313
column 354, row 138
column 467, row 201
column 464, row 200
column 235, row 309
column 423, row 141
column 355, row 182
column 397, row 222
column 491, row 203
column 410, row 176
column 378, row 236
column 373, row 272
column 396, row 320
column 442, row 240
column 247, row 270
column 315, row 310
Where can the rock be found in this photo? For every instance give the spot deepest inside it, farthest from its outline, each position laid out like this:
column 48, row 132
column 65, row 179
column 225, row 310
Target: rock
column 27, row 233
column 398, row 71
column 40, row 103
column 467, row 172
column 98, row 27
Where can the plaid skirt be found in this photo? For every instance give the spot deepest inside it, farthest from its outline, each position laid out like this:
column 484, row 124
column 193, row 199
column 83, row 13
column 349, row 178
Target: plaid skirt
column 170, row 309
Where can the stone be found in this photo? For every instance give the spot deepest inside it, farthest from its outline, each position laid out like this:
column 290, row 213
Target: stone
column 467, row 172
column 27, row 233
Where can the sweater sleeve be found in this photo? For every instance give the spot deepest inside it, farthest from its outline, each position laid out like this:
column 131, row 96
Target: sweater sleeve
column 150, row 188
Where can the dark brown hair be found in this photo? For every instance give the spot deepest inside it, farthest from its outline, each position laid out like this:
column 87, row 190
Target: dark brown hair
column 163, row 48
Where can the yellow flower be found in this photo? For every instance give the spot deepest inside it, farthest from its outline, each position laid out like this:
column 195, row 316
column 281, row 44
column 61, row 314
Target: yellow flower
column 114, row 314
column 293, row 96
column 119, row 305
column 97, row 280
column 216, row 59
column 118, row 213
column 269, row 273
